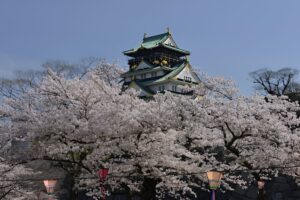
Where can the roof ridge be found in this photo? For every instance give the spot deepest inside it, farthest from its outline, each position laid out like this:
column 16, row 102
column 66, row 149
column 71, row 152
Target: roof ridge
column 172, row 73
column 143, row 87
column 158, row 35
column 155, row 41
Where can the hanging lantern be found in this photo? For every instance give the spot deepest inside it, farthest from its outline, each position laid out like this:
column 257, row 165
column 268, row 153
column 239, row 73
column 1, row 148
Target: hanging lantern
column 50, row 185
column 103, row 174
column 261, row 184
column 214, row 179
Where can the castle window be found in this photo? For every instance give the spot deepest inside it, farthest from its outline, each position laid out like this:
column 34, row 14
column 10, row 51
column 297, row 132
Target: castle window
column 143, row 76
column 161, row 88
column 174, row 88
column 153, row 74
column 188, row 79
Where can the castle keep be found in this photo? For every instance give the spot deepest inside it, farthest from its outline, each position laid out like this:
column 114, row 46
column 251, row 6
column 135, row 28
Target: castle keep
column 159, row 65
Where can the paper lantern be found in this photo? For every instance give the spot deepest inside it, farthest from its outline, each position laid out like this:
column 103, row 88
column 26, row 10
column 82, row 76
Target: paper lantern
column 103, row 173
column 261, row 184
column 50, row 185
column 214, row 179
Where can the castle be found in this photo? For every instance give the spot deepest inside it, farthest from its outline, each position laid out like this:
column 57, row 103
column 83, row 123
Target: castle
column 159, row 65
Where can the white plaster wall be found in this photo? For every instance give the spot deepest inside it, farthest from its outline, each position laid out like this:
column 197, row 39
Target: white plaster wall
column 160, row 73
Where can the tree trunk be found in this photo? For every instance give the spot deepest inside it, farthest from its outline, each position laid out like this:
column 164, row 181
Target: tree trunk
column 69, row 183
column 149, row 189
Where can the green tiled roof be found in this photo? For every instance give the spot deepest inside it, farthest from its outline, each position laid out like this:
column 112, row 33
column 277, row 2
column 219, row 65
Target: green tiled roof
column 134, row 72
column 155, row 41
column 144, row 88
column 177, row 49
column 170, row 75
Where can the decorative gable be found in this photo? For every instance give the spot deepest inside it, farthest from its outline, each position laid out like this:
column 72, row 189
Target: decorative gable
column 143, row 65
column 170, row 42
column 188, row 75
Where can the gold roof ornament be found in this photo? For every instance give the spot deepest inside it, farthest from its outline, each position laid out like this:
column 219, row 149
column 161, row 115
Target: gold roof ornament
column 156, row 62
column 164, row 62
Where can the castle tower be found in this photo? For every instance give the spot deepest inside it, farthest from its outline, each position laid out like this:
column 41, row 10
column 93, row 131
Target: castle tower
column 159, row 65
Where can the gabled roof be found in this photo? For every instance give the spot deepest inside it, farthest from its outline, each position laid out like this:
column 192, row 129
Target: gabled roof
column 188, row 72
column 144, row 64
column 152, row 41
column 147, row 70
column 136, row 72
column 176, row 49
column 136, row 85
column 170, row 75
column 156, row 41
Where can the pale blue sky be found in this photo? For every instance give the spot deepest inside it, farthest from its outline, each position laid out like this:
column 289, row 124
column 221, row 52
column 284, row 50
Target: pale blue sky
column 226, row 37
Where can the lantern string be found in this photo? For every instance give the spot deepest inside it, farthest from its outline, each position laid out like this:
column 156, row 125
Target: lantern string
column 111, row 175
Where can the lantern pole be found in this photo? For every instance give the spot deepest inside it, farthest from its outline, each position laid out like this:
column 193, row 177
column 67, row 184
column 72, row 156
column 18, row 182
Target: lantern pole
column 261, row 190
column 213, row 194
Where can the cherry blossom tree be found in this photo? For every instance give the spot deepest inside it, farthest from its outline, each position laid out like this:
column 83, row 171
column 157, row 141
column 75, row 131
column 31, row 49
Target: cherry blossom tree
column 11, row 172
column 18, row 95
column 280, row 82
column 160, row 147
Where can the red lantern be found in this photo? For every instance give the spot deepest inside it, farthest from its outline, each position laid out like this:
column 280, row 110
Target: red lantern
column 103, row 174
column 261, row 184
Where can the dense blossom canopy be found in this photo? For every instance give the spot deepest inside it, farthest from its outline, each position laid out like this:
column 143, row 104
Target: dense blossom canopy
column 167, row 142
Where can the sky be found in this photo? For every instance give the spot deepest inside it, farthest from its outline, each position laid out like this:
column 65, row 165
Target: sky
column 227, row 38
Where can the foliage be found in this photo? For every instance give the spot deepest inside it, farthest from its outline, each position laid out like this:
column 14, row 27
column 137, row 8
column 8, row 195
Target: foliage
column 165, row 144
column 278, row 83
